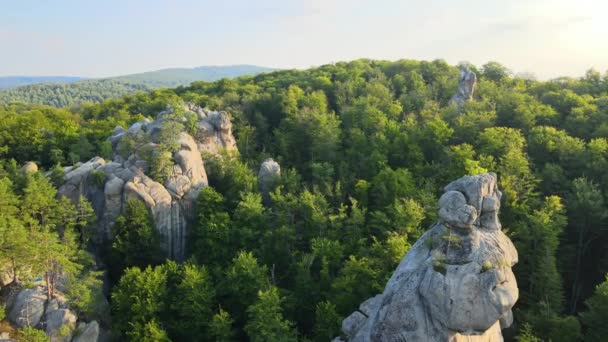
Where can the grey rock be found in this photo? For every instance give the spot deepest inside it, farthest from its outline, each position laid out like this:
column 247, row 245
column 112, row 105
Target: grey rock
column 27, row 308
column 466, row 86
column 458, row 287
column 171, row 199
column 87, row 332
column 55, row 320
column 352, row 323
column 270, row 170
column 371, row 305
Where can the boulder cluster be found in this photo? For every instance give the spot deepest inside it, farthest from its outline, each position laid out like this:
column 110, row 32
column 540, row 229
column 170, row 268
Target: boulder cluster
column 110, row 184
column 455, row 283
column 29, row 307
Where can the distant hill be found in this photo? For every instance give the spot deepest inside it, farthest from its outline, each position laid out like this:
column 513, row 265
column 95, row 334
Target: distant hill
column 69, row 94
column 7, row 82
column 184, row 76
column 74, row 92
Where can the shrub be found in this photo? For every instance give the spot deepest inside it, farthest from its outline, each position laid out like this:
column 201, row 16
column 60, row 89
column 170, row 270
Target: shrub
column 29, row 334
column 98, row 178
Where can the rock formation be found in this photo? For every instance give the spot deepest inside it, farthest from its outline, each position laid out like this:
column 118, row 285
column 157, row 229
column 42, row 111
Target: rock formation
column 162, row 147
column 455, row 283
column 466, row 86
column 270, row 170
column 29, row 307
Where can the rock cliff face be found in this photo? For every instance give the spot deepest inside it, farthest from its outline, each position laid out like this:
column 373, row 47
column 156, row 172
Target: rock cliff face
column 466, row 86
column 455, row 283
column 162, row 144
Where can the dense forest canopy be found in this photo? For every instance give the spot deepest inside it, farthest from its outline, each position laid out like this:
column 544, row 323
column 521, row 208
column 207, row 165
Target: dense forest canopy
column 365, row 148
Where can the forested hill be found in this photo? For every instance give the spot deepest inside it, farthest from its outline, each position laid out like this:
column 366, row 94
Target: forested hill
column 7, row 82
column 70, row 94
column 184, row 76
column 365, row 149
column 65, row 92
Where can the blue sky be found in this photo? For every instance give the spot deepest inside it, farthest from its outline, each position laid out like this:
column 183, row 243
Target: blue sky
column 549, row 38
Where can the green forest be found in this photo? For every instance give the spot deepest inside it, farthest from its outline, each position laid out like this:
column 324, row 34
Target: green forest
column 365, row 149
column 70, row 92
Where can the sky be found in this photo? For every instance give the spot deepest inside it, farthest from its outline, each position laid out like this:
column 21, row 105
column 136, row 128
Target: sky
column 100, row 38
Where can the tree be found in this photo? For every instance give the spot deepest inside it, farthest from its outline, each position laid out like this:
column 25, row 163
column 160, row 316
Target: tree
column 149, row 332
column 597, row 311
column 220, row 328
column 526, row 334
column 495, row 72
column 587, row 214
column 357, row 281
column 210, row 238
column 136, row 240
column 139, row 298
column 243, row 279
column 192, row 304
column 265, row 321
column 327, row 322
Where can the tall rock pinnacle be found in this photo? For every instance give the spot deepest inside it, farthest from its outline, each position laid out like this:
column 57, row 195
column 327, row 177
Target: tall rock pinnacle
column 466, row 86
column 455, row 283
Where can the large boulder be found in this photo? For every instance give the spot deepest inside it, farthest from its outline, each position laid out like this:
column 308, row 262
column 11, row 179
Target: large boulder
column 269, row 172
column 455, row 283
column 87, row 332
column 466, row 86
column 27, row 308
column 59, row 324
column 109, row 184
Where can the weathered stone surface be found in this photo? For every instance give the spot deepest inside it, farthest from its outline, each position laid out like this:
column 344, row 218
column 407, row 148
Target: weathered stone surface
column 466, row 86
column 27, row 308
column 56, row 319
column 455, row 283
column 29, row 167
column 171, row 199
column 87, row 332
column 270, row 170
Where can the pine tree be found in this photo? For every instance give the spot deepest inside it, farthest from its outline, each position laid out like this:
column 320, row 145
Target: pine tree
column 597, row 313
column 220, row 329
column 265, row 321
column 136, row 240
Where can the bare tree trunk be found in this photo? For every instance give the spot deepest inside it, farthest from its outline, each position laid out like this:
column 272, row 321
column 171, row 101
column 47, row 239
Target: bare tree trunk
column 49, row 292
column 14, row 267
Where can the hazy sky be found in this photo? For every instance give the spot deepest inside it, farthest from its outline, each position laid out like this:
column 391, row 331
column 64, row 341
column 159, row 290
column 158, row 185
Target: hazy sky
column 549, row 38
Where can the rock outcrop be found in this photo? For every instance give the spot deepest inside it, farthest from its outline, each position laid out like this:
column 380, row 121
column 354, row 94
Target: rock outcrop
column 466, row 86
column 55, row 320
column 87, row 332
column 455, row 283
column 162, row 147
column 27, row 308
column 270, row 170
